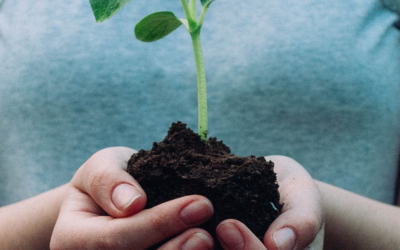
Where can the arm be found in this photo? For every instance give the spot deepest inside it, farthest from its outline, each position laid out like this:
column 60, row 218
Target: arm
column 91, row 217
column 28, row 224
column 356, row 222
column 83, row 221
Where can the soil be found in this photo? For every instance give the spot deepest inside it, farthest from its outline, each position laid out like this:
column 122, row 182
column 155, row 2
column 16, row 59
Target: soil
column 242, row 188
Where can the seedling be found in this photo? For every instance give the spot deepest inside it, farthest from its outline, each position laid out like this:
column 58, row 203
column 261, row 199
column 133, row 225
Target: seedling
column 158, row 25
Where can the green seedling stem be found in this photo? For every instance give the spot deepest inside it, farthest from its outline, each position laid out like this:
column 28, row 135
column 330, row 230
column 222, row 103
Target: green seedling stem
column 201, row 86
column 200, row 70
column 194, row 28
column 158, row 25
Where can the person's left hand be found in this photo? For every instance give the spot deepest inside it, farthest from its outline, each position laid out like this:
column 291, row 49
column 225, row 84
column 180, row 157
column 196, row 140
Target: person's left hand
column 301, row 223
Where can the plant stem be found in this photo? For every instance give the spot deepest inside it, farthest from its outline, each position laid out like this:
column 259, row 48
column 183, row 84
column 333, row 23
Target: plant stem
column 201, row 85
column 193, row 10
column 186, row 8
column 202, row 15
column 191, row 20
column 194, row 30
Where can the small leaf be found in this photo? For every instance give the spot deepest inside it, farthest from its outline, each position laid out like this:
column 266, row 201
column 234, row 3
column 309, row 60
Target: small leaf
column 206, row 2
column 156, row 26
column 105, row 9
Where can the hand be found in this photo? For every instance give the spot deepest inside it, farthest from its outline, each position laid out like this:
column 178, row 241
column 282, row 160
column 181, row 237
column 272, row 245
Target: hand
column 301, row 223
column 103, row 209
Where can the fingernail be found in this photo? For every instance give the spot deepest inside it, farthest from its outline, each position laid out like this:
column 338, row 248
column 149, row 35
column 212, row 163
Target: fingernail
column 124, row 195
column 198, row 241
column 285, row 239
column 230, row 236
column 197, row 211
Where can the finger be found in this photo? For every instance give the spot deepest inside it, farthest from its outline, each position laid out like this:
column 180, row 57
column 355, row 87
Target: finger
column 193, row 239
column 318, row 243
column 104, row 178
column 80, row 227
column 234, row 235
column 301, row 218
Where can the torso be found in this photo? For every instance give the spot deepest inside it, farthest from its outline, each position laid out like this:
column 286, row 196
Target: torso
column 313, row 80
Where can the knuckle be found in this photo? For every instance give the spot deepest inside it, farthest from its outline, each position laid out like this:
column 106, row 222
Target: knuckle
column 89, row 169
column 97, row 180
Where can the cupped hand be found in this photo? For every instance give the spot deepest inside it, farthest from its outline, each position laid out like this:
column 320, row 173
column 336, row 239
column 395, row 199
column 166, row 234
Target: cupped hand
column 301, row 223
column 103, row 209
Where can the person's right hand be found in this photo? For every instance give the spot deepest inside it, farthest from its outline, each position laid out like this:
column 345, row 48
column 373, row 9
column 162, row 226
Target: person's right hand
column 103, row 209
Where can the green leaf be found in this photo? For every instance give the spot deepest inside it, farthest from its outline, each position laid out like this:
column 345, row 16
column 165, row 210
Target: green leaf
column 105, row 9
column 206, row 2
column 156, row 26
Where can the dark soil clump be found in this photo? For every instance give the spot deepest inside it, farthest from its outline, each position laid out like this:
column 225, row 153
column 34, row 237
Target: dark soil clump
column 242, row 188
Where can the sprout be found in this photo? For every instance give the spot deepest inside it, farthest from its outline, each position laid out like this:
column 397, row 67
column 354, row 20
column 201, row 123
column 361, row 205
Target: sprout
column 158, row 25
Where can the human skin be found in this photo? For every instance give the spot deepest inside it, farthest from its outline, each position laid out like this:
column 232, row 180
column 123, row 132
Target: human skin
column 96, row 213
column 28, row 224
column 302, row 211
column 357, row 222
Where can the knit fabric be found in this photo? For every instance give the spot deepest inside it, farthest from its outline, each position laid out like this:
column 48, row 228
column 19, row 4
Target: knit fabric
column 318, row 81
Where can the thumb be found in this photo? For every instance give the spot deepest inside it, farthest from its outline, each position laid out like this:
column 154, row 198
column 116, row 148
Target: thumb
column 301, row 221
column 104, row 178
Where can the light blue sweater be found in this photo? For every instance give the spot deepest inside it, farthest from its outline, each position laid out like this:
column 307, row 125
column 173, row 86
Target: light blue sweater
column 318, row 81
